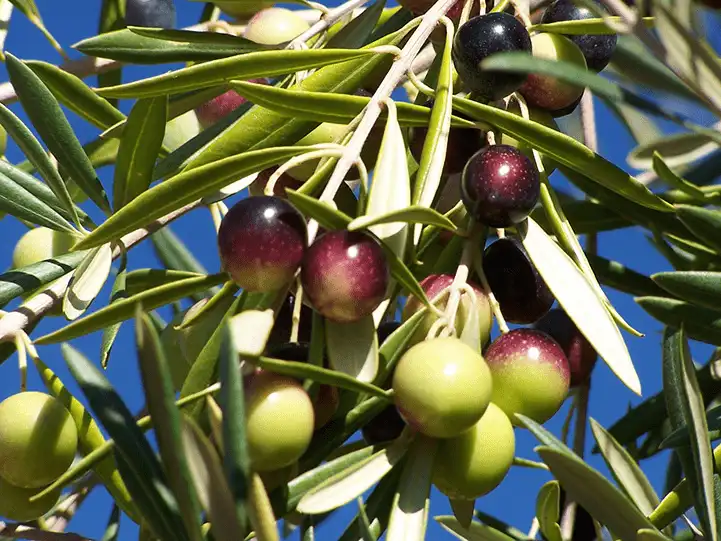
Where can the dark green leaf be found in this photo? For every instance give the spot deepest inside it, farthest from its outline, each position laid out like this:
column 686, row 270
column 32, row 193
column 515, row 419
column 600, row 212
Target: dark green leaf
column 698, row 287
column 323, row 213
column 704, row 223
column 246, row 66
column 354, row 34
column 160, row 395
column 74, row 94
column 48, row 118
column 17, row 282
column 182, row 189
column 544, row 436
column 125, row 308
column 137, row 462
column 18, row 202
column 236, row 460
column 128, row 46
column 667, row 175
column 118, row 292
column 58, row 198
column 700, row 323
column 685, row 407
column 618, row 276
column 141, row 280
column 139, row 148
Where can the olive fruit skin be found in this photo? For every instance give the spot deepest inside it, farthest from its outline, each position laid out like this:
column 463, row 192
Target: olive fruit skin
column 520, row 291
column 475, row 462
column 151, row 13
column 219, row 107
column 279, row 423
column 436, row 287
column 38, row 439
column 39, row 244
column 462, row 144
column 479, row 38
column 273, row 26
column 384, row 427
column 15, row 502
column 545, row 91
column 442, row 387
column 535, row 114
column 345, row 275
column 597, row 50
column 242, row 10
column 500, row 186
column 579, row 351
column 181, row 129
column 261, row 241
column 531, row 375
column 565, row 111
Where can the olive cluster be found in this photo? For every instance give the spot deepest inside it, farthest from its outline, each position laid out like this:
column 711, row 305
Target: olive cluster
column 38, row 442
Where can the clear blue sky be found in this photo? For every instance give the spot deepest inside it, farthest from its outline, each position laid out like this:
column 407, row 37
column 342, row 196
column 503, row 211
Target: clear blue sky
column 514, row 500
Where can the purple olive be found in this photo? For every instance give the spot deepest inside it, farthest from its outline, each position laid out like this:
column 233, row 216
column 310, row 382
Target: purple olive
column 345, row 275
column 500, row 186
column 521, row 292
column 261, row 241
column 579, row 351
column 531, row 374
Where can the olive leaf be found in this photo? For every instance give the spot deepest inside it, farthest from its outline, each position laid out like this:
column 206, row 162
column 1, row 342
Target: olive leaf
column 676, row 150
column 353, row 348
column 475, row 532
column 548, row 510
column 578, row 298
column 88, row 279
column 594, row 26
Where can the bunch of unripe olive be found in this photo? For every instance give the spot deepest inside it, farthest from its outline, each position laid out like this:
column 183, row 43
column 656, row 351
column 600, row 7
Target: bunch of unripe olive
column 38, row 442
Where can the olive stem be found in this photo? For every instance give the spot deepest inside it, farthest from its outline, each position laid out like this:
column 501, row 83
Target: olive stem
column 326, row 20
column 297, row 306
column 535, row 526
column 215, row 215
column 37, row 306
column 373, row 109
column 22, row 361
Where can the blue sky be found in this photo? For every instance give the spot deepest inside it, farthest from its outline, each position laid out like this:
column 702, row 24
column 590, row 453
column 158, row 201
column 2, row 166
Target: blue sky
column 514, row 500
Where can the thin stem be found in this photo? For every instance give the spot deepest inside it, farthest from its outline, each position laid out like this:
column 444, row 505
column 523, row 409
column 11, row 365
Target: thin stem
column 328, row 19
column 297, row 306
column 461, row 277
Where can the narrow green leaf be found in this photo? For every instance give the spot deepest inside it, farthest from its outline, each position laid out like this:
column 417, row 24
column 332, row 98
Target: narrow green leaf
column 625, row 470
column 355, row 34
column 261, row 512
column 413, row 215
column 139, row 148
column 212, row 489
column 566, row 151
column 676, row 150
column 173, row 253
column 142, row 469
column 595, row 27
column 578, row 298
column 665, row 173
column 34, row 152
column 353, row 348
column 124, row 309
column 330, row 106
column 702, row 288
column 141, row 280
column 74, row 94
column 686, row 408
column 593, row 492
column 680, row 436
column 616, row 275
column 409, row 514
column 704, row 223
column 548, row 511
column 543, row 435
column 129, row 46
column 160, row 395
column 320, row 375
column 352, row 482
column 48, row 118
column 246, row 66
column 118, row 292
column 17, row 201
column 112, row 530
column 700, row 323
column 182, row 189
column 475, row 532
column 322, row 212
column 88, row 279
column 236, row 460
column 17, row 282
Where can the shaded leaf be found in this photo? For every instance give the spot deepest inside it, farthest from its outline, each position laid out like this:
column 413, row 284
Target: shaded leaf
column 18, row 202
column 141, row 280
column 676, row 150
column 118, row 292
column 354, row 34
column 88, row 279
column 705, row 224
column 475, row 532
column 410, row 214
column 548, row 510
column 700, row 323
column 353, row 348
column 702, row 288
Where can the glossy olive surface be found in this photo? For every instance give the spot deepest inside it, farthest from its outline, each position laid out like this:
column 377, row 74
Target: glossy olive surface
column 15, row 502
column 481, row 37
column 273, row 26
column 262, row 240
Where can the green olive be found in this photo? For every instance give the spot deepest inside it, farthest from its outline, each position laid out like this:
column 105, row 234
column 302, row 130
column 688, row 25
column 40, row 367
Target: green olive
column 40, row 244
column 442, row 387
column 15, row 502
column 474, row 463
column 244, row 8
column 279, row 422
column 273, row 26
column 38, row 439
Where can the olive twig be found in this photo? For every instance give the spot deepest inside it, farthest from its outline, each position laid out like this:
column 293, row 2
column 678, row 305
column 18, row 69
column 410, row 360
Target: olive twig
column 470, row 247
column 297, row 306
column 326, row 20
